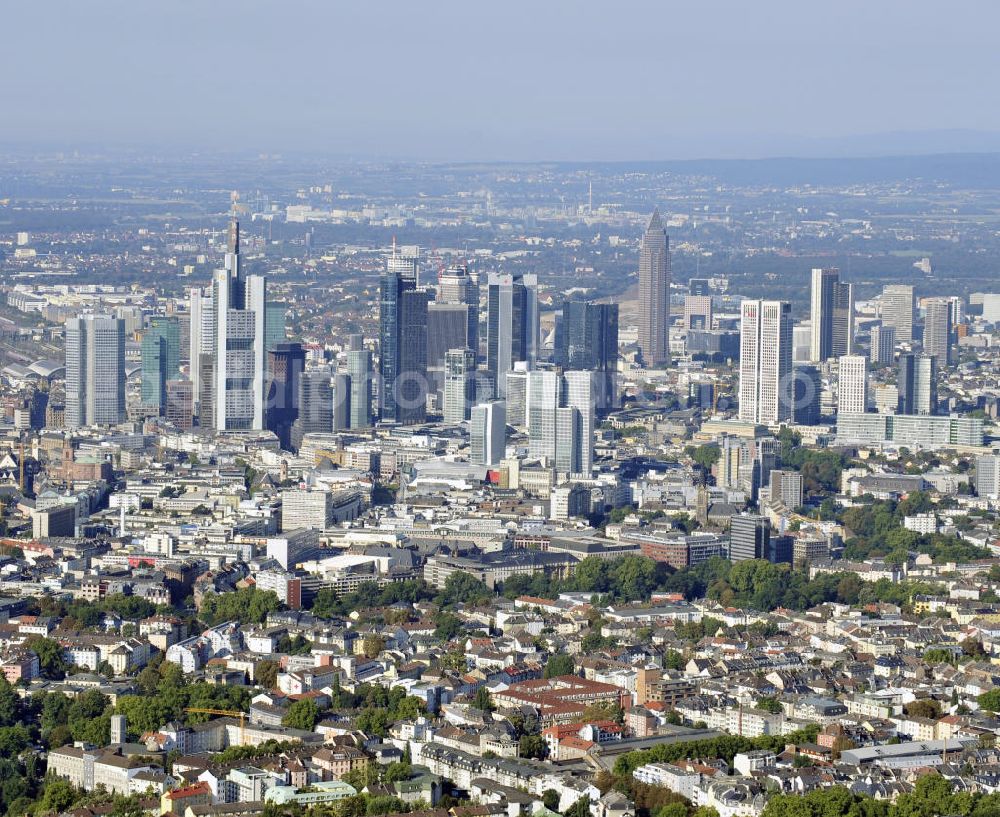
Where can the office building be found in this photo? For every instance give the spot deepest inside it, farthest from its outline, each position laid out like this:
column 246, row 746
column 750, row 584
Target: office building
column 239, row 356
column 275, row 316
column 786, row 488
column 988, row 476
column 852, row 384
column 988, row 303
column 749, row 537
column 561, row 416
column 807, row 395
column 95, row 371
column 359, row 370
column 716, row 344
column 654, row 294
column 697, row 312
column 315, row 401
column 883, row 346
column 404, row 266
column 699, row 286
column 447, row 328
column 202, row 342
column 511, row 325
column 938, row 331
column 780, row 549
column 578, row 394
column 309, row 509
column 205, row 391
column 161, row 354
column 801, row 342
column 588, row 340
column 831, row 316
column 766, row 384
column 727, row 470
column 569, row 433
column 285, row 363
column 179, row 410
column 807, row 549
column 457, row 286
column 542, row 402
column 911, row 431
column 341, row 396
column 917, row 384
column 517, row 395
column 701, row 395
column 402, row 347
column 897, row 310
column 746, row 465
column 133, row 318
column 886, row 399
column 183, row 332
column 56, row 520
column 459, row 385
column 487, row 433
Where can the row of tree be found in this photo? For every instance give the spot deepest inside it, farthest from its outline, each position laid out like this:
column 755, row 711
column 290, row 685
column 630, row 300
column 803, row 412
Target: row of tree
column 755, row 584
column 932, row 796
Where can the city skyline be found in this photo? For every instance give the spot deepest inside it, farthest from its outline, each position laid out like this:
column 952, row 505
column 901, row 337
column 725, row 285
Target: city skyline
column 591, row 485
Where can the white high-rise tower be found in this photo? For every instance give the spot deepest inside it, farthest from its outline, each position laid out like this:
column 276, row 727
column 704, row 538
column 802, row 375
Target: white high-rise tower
column 95, row 371
column 766, row 385
column 202, row 339
column 852, row 388
column 897, row 310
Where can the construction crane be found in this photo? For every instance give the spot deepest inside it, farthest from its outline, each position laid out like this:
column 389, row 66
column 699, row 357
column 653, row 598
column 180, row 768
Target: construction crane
column 230, row 712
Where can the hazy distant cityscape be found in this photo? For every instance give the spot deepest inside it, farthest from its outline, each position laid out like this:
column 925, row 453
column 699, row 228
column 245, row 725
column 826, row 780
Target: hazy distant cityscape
column 340, row 482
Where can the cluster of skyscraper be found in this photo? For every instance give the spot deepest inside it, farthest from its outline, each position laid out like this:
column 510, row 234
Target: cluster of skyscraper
column 773, row 390
column 430, row 354
column 243, row 374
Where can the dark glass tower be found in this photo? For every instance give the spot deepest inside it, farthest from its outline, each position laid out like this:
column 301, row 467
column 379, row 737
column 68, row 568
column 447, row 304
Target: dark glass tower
column 589, row 341
column 285, row 362
column 160, row 360
column 402, row 349
column 749, row 537
column 511, row 325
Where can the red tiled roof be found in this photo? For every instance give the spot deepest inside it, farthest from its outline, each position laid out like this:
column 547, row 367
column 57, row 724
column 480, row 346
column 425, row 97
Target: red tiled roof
column 190, row 791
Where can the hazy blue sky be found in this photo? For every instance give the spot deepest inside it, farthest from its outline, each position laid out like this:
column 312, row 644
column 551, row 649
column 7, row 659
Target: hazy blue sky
column 549, row 79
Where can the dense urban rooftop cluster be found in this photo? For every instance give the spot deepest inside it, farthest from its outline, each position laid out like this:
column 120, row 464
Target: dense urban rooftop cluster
column 542, row 508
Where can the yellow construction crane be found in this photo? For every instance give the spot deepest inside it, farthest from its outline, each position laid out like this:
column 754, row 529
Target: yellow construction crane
column 230, row 712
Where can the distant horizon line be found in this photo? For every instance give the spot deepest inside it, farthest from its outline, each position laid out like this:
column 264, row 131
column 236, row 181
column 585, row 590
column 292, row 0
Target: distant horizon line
column 134, row 150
